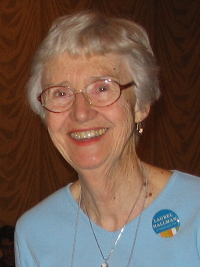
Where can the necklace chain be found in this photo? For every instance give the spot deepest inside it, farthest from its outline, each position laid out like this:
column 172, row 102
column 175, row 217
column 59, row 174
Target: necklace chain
column 105, row 264
column 75, row 231
column 140, row 216
column 119, row 235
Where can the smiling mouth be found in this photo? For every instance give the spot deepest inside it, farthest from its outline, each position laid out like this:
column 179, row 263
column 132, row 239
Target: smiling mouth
column 88, row 134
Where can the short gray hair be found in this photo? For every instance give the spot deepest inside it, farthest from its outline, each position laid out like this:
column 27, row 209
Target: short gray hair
column 93, row 33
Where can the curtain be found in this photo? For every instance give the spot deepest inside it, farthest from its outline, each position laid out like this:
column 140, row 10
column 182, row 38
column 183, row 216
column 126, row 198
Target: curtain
column 30, row 166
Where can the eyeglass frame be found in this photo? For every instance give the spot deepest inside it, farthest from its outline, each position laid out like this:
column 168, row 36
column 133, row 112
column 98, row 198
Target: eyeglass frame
column 121, row 87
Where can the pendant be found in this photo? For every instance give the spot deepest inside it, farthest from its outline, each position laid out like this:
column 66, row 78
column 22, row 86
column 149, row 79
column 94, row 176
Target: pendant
column 105, row 264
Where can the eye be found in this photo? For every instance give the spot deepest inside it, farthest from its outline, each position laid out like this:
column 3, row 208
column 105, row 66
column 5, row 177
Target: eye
column 100, row 88
column 103, row 88
column 61, row 92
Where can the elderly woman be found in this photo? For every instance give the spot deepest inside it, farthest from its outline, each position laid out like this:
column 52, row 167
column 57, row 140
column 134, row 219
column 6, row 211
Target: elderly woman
column 93, row 81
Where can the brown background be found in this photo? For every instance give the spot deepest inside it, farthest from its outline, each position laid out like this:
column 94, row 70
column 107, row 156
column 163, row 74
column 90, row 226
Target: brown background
column 30, row 167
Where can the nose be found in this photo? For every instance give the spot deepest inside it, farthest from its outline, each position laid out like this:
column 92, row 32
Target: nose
column 81, row 110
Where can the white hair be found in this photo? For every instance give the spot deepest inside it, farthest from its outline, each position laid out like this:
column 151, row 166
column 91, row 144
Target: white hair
column 92, row 33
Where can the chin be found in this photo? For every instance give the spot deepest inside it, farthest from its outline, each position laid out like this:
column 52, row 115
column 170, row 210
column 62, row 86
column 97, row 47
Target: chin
column 88, row 164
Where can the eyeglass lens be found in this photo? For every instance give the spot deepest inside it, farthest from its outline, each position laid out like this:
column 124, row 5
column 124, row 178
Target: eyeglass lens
column 99, row 93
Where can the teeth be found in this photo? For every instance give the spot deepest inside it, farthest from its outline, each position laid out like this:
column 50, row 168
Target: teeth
column 88, row 134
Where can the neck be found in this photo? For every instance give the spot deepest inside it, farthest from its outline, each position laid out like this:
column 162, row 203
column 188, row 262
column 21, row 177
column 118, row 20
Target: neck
column 108, row 201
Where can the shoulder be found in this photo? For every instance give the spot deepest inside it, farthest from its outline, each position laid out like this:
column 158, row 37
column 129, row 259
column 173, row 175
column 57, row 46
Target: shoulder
column 184, row 188
column 48, row 209
column 186, row 181
column 175, row 182
column 161, row 177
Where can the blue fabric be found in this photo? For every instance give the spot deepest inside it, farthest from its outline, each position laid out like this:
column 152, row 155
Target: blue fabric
column 45, row 234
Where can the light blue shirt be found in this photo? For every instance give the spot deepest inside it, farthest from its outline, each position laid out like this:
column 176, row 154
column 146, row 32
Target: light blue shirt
column 45, row 234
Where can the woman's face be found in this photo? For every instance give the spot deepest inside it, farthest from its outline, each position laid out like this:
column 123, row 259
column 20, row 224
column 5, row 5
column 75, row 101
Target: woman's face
column 111, row 127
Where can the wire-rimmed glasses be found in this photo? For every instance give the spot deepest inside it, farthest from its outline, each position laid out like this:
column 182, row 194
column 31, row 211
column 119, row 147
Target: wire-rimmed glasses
column 100, row 93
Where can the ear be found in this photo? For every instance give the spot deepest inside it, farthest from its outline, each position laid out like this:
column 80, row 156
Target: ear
column 141, row 114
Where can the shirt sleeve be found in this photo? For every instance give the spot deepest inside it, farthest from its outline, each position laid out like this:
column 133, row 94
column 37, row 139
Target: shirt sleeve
column 23, row 255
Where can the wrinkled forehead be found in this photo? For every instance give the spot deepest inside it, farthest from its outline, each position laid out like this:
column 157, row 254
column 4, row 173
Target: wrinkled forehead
column 64, row 67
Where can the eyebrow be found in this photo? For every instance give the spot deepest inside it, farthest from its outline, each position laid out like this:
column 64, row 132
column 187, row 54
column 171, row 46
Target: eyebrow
column 48, row 85
column 92, row 79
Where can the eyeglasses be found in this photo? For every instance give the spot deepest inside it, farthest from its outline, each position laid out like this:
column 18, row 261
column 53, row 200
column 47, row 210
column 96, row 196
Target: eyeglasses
column 100, row 93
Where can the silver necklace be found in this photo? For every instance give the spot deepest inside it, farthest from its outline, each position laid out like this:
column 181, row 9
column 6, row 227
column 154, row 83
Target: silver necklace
column 75, row 231
column 105, row 263
column 140, row 216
